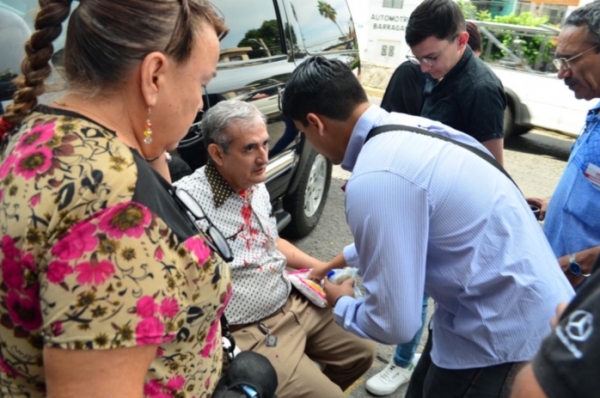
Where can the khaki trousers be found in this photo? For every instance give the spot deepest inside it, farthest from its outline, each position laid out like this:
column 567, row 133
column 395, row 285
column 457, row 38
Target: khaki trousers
column 305, row 333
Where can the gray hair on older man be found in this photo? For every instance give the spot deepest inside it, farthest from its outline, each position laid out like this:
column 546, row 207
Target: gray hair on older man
column 217, row 120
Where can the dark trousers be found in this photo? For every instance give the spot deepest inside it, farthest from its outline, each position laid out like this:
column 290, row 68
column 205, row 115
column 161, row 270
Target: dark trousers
column 431, row 381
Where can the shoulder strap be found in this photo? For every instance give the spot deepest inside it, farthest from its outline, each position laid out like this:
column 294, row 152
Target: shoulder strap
column 423, row 81
column 478, row 152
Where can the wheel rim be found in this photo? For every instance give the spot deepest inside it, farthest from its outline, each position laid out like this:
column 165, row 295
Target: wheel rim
column 315, row 188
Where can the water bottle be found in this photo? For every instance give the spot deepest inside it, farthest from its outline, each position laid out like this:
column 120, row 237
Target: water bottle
column 338, row 276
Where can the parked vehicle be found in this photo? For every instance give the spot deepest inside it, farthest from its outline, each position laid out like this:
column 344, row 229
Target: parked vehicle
column 540, row 100
column 536, row 97
column 267, row 40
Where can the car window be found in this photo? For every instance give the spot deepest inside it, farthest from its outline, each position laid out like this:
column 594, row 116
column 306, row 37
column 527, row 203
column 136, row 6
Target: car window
column 14, row 32
column 324, row 25
column 253, row 30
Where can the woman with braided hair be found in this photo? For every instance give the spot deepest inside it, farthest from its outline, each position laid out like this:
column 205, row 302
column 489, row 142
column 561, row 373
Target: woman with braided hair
column 107, row 288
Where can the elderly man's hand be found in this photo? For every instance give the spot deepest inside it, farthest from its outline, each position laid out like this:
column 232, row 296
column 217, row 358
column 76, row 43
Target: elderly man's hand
column 319, row 271
column 333, row 292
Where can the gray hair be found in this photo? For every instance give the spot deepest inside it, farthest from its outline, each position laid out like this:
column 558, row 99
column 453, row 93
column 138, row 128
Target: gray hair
column 217, row 120
column 588, row 16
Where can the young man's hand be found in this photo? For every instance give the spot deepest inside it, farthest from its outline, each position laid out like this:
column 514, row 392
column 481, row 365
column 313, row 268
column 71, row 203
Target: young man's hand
column 333, row 292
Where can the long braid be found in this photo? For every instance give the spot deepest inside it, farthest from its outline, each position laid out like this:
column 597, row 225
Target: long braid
column 36, row 66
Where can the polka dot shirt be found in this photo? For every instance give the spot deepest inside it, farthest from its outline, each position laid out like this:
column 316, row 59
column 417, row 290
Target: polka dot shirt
column 259, row 285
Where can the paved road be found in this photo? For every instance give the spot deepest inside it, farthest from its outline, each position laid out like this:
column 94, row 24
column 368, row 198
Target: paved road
column 535, row 160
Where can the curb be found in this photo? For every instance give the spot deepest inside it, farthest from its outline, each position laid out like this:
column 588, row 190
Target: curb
column 374, row 92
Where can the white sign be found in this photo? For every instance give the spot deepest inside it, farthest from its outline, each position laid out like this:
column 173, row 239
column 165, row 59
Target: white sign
column 381, row 26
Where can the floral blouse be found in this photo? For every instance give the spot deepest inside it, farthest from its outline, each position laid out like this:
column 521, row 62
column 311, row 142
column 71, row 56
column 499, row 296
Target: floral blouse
column 96, row 254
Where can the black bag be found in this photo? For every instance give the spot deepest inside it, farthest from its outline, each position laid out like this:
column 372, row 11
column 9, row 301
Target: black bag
column 247, row 375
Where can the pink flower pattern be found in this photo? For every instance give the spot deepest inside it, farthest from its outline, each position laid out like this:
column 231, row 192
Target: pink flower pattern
column 34, row 163
column 28, row 262
column 75, row 244
column 197, row 246
column 35, row 199
column 176, row 383
column 152, row 388
column 58, row 270
column 24, row 309
column 56, row 328
column 156, row 389
column 169, row 307
column 158, row 253
column 149, row 331
column 5, row 368
column 129, row 219
column 8, row 247
column 37, row 136
column 14, row 264
column 12, row 274
column 146, row 307
column 94, row 274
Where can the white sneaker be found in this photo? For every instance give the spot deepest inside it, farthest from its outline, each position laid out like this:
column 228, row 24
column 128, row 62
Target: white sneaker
column 391, row 378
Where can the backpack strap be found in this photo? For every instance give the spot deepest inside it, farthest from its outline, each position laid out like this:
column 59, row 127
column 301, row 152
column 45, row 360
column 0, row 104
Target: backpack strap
column 398, row 127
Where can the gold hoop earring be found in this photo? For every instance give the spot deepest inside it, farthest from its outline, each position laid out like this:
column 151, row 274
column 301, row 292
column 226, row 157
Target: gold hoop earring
column 148, row 130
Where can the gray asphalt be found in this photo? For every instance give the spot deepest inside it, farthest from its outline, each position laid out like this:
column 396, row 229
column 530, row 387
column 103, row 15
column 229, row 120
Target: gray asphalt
column 535, row 161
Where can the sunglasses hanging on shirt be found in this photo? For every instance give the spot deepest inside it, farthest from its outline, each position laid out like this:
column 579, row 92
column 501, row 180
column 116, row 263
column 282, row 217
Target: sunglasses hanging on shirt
column 215, row 239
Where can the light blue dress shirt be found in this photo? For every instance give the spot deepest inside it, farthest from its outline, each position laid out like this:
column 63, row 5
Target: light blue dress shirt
column 427, row 215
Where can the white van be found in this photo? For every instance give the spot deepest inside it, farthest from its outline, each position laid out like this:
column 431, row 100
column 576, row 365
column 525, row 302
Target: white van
column 535, row 99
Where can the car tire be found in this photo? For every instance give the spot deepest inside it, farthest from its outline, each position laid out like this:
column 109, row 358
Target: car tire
column 509, row 122
column 511, row 129
column 306, row 204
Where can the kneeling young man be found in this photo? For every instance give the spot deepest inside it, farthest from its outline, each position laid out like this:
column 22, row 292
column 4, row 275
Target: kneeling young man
column 231, row 191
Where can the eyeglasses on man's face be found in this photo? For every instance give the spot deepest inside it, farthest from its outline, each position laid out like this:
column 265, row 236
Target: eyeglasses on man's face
column 215, row 239
column 565, row 64
column 429, row 61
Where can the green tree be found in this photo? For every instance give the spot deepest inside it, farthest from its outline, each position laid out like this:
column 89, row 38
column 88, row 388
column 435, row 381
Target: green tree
column 268, row 33
column 327, row 11
column 531, row 44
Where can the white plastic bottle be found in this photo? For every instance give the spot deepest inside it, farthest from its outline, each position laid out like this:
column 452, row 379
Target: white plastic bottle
column 338, row 276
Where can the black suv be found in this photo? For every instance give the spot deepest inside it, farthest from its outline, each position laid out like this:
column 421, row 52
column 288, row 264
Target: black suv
column 267, row 40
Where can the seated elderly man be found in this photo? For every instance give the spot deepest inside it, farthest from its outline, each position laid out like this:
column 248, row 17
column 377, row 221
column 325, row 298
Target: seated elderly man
column 266, row 314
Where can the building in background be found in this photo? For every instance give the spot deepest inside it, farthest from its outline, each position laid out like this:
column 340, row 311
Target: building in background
column 380, row 26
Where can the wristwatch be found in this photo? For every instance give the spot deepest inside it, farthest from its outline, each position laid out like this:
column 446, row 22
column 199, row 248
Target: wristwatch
column 575, row 267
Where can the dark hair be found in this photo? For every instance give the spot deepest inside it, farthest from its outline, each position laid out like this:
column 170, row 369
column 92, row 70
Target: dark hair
column 588, row 16
column 440, row 18
column 322, row 86
column 474, row 37
column 105, row 40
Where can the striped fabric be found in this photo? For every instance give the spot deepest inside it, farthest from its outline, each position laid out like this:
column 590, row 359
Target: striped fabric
column 427, row 215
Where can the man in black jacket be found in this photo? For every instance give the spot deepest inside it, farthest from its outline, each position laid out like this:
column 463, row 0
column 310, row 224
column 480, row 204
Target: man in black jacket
column 461, row 91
